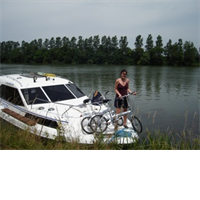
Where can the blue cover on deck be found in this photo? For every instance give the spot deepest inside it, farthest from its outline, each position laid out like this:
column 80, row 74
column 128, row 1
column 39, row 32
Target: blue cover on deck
column 123, row 133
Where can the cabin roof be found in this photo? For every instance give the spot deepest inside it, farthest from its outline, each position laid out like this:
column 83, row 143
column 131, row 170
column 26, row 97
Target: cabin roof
column 30, row 80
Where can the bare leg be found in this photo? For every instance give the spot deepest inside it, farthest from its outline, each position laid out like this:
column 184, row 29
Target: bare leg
column 118, row 110
column 125, row 117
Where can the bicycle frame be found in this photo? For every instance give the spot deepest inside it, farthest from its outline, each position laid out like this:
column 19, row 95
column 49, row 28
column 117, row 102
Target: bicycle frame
column 129, row 111
column 100, row 121
column 122, row 114
column 115, row 117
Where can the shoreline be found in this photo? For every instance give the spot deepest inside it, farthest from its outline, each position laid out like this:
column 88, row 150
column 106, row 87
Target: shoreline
column 13, row 138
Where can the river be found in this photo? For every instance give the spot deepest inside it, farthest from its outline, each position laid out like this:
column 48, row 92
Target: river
column 167, row 97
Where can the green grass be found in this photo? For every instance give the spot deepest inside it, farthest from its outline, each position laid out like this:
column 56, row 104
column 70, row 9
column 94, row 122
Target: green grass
column 12, row 138
column 169, row 141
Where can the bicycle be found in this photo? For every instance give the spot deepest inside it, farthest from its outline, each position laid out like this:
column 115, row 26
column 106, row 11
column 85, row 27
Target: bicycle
column 85, row 122
column 99, row 122
column 97, row 101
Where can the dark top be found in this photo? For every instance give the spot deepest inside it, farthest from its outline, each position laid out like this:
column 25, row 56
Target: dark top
column 122, row 89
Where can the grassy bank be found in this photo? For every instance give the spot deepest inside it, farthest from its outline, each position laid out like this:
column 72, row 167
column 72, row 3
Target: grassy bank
column 12, row 138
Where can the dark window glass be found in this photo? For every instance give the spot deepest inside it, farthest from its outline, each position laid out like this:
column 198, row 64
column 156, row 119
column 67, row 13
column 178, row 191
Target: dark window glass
column 1, row 91
column 11, row 94
column 42, row 121
column 75, row 90
column 58, row 93
column 34, row 96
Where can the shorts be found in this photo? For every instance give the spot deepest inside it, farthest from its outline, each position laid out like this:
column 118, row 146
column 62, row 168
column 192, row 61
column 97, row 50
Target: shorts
column 121, row 103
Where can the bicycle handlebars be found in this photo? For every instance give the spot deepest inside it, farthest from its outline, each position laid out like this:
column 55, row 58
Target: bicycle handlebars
column 122, row 97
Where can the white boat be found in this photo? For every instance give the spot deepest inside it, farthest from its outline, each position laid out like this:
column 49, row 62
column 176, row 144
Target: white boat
column 51, row 106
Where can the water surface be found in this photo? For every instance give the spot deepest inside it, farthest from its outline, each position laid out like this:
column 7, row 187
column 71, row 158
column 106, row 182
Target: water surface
column 167, row 99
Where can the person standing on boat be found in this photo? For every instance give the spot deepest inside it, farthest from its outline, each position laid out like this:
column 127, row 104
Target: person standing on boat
column 121, row 89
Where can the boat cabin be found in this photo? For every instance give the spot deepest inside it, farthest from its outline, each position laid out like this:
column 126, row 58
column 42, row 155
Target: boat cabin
column 33, row 88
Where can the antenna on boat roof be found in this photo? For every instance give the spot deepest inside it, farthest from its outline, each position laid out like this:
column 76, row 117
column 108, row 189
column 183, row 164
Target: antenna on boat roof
column 47, row 78
column 34, row 79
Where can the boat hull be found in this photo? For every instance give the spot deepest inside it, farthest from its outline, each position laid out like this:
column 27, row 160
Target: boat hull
column 70, row 131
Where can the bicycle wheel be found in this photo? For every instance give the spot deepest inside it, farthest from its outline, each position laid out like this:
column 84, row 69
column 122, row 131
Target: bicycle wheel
column 98, row 124
column 85, row 124
column 137, row 125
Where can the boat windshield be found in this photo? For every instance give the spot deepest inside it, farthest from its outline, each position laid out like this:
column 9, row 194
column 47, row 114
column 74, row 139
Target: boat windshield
column 34, row 96
column 75, row 90
column 62, row 92
column 58, row 93
column 54, row 93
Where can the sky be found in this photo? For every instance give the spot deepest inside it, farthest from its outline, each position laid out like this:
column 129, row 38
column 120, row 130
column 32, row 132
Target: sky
column 34, row 19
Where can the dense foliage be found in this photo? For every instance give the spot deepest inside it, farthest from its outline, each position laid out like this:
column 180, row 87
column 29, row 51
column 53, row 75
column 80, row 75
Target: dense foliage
column 93, row 50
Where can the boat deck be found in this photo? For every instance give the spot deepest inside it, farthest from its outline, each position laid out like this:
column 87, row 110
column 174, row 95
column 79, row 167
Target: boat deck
column 19, row 117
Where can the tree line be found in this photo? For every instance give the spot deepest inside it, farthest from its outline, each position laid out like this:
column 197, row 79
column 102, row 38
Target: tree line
column 96, row 50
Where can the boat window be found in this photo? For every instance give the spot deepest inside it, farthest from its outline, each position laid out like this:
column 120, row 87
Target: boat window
column 1, row 91
column 75, row 90
column 58, row 93
column 11, row 94
column 34, row 96
column 42, row 121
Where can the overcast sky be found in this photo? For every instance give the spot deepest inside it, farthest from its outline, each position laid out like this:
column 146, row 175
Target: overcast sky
column 33, row 19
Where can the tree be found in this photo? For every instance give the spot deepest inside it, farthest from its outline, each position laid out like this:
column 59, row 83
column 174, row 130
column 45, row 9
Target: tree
column 96, row 48
column 145, row 59
column 157, row 52
column 180, row 52
column 107, row 50
column 159, row 42
column 65, row 41
column 81, row 58
column 168, row 52
column 96, row 43
column 89, row 51
column 46, row 44
column 114, row 50
column 174, row 53
column 73, row 52
column 190, row 54
column 38, row 56
column 123, row 51
column 139, row 42
column 15, row 53
column 198, row 57
column 52, row 43
column 103, row 51
column 58, row 43
column 138, row 53
column 149, row 43
column 39, row 42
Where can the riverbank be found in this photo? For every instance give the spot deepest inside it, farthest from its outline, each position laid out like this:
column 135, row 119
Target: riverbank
column 13, row 138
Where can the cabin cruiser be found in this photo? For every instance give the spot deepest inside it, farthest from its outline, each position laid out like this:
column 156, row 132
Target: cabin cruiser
column 50, row 106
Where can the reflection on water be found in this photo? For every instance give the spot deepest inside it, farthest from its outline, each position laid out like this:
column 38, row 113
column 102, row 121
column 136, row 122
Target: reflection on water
column 168, row 97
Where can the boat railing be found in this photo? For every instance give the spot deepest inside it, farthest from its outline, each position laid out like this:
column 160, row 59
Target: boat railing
column 68, row 105
column 58, row 103
column 8, row 104
column 33, row 102
column 92, row 108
